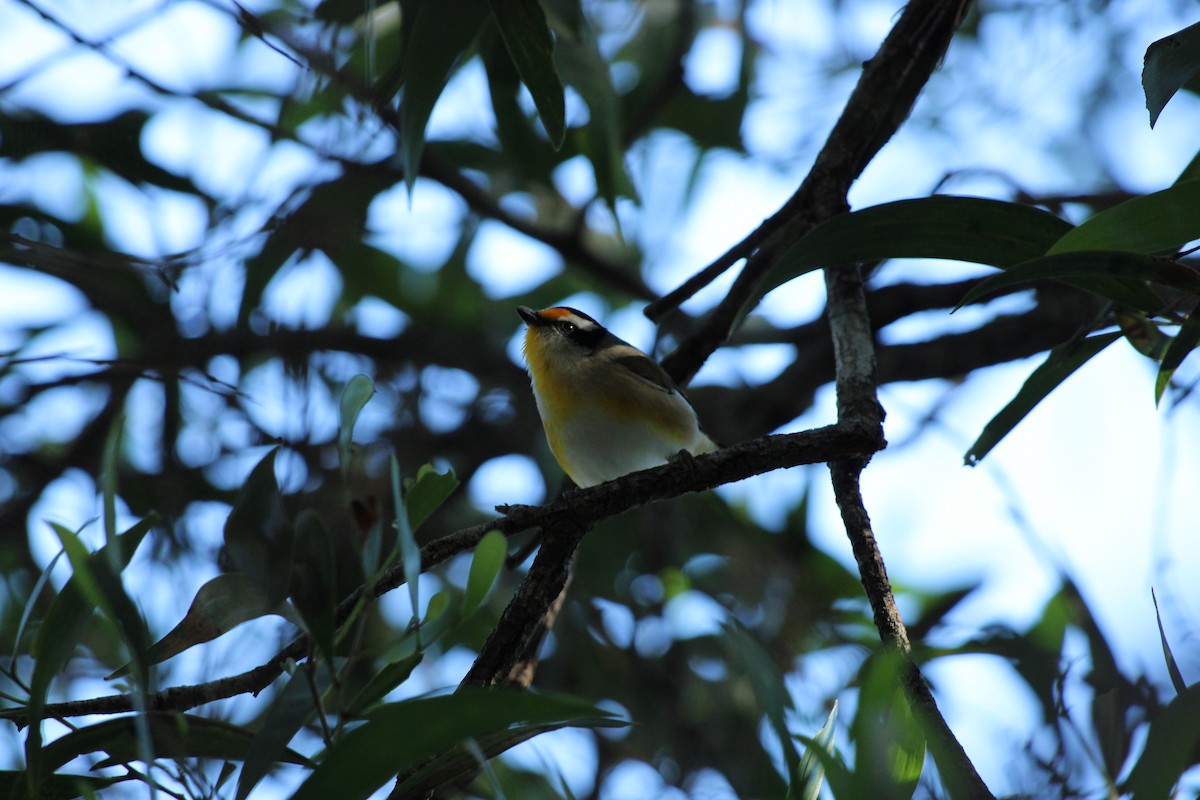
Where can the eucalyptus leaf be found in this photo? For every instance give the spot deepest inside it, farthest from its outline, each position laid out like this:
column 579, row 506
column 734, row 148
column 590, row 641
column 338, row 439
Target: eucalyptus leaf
column 1170, row 63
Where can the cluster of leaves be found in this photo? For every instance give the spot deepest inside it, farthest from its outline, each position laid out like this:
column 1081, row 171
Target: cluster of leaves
column 700, row 701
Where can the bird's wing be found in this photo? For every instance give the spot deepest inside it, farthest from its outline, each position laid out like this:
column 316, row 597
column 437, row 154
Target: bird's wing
column 648, row 370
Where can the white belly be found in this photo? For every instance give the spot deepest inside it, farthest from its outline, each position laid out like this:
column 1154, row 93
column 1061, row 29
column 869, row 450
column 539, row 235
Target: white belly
column 599, row 448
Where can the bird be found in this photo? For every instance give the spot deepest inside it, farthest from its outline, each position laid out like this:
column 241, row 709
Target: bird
column 608, row 409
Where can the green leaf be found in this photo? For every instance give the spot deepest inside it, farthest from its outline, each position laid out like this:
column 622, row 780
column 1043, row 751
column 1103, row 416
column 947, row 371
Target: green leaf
column 1161, row 222
column 745, row 654
column 220, row 605
column 358, row 391
column 973, row 229
column 1117, row 275
column 291, row 707
column 68, row 616
column 584, row 68
column 1169, row 749
column 1170, row 63
column 527, row 38
column 1061, row 362
column 426, row 493
column 174, row 735
column 384, row 681
column 258, row 534
column 58, row 787
column 889, row 742
column 1185, row 341
column 384, row 746
column 108, row 478
column 313, row 588
column 485, row 567
column 410, row 554
column 1172, row 667
column 812, row 767
column 435, row 36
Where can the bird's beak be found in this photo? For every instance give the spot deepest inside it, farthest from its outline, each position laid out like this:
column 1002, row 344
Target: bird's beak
column 531, row 317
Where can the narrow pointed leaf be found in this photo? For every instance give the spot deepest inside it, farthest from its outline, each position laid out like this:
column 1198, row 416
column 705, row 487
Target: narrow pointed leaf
column 435, row 35
column 527, row 38
column 220, row 605
column 1172, row 666
column 1161, row 222
column 485, row 567
column 974, row 229
column 812, row 768
column 1058, row 366
column 313, row 581
column 385, row 680
column 1170, row 63
column 410, row 554
column 289, row 710
column 1185, row 341
column 258, row 533
column 1117, row 275
column 370, row 755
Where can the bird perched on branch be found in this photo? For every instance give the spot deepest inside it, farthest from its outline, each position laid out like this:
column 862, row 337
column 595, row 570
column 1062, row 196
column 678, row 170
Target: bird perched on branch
column 608, row 408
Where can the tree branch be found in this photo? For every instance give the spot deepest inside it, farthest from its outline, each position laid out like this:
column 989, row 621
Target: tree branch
column 885, row 94
column 583, row 509
column 858, row 404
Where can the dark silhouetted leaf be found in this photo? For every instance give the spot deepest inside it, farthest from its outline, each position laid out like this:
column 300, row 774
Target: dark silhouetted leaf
column 425, row 493
column 485, row 566
column 1119, row 276
column 219, row 606
column 1185, row 341
column 973, row 229
column 313, row 591
column 1170, row 63
column 527, row 38
column 1058, row 366
column 1161, row 222
column 1170, row 748
column 291, row 707
column 258, row 533
column 384, row 746
column 1172, row 667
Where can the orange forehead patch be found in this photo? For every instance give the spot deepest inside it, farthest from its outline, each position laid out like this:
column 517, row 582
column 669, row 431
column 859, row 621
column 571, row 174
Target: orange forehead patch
column 555, row 313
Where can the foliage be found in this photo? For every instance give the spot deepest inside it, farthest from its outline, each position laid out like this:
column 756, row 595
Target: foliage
column 398, row 389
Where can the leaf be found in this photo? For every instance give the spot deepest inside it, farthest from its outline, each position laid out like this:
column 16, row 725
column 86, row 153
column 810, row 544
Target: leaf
column 410, row 554
column 385, row 745
column 174, row 735
column 1161, row 222
column 258, row 534
column 426, row 493
column 220, row 605
column 527, row 38
column 812, row 768
column 358, row 391
column 384, row 681
column 291, row 707
column 68, row 616
column 111, row 467
column 58, row 787
column 435, row 36
column 1117, row 275
column 1185, row 341
column 584, row 68
column 1172, row 667
column 973, row 229
column 889, row 742
column 313, row 588
column 1169, row 749
column 745, row 654
column 485, row 566
column 1170, row 63
column 1061, row 362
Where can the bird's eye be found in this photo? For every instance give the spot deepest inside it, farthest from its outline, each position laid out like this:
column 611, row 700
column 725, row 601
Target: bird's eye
column 569, row 327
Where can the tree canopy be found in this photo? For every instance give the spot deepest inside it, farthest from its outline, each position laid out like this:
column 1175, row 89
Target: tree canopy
column 279, row 517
